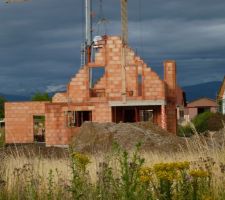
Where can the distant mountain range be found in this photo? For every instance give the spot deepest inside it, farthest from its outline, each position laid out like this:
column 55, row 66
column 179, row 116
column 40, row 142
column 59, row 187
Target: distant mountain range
column 209, row 90
column 11, row 97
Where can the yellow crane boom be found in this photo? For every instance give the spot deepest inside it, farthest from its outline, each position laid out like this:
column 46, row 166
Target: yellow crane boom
column 124, row 36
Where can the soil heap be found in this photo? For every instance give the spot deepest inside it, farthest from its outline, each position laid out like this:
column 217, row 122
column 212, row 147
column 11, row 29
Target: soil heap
column 99, row 137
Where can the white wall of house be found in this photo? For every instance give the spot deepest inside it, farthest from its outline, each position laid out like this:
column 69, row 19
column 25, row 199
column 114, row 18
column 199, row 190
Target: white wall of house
column 223, row 104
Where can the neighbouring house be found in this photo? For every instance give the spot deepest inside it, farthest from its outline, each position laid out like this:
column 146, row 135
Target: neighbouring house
column 146, row 97
column 221, row 98
column 199, row 106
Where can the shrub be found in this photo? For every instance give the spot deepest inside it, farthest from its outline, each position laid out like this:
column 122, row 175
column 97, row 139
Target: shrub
column 216, row 122
column 200, row 121
column 208, row 121
column 185, row 131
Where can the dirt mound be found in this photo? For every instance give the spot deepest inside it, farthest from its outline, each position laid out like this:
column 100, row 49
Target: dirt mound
column 94, row 137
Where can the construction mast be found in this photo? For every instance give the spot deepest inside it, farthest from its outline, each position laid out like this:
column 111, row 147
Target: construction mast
column 124, row 36
column 88, row 30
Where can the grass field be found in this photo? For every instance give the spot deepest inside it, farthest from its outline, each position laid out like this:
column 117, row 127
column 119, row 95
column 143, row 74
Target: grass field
column 196, row 173
column 115, row 176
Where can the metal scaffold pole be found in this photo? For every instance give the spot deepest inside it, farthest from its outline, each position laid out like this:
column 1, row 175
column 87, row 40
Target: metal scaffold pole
column 88, row 22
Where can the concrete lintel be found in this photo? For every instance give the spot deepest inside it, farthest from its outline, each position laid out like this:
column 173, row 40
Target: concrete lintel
column 138, row 103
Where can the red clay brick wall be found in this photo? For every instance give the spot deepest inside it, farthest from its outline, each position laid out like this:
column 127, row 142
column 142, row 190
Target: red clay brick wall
column 163, row 117
column 101, row 84
column 102, row 113
column 170, row 80
column 179, row 96
column 60, row 97
column 19, row 121
column 110, row 57
column 78, row 88
column 57, row 132
column 153, row 86
column 132, row 79
column 113, row 68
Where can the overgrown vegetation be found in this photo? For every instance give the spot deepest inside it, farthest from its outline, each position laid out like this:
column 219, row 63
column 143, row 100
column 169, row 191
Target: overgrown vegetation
column 203, row 122
column 118, row 175
column 2, row 101
column 41, row 96
column 2, row 137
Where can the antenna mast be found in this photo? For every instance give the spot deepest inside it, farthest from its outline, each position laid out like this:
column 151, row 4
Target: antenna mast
column 88, row 32
column 88, row 22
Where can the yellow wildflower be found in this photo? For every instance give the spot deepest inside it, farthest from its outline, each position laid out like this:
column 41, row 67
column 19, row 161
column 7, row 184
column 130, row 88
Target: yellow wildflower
column 81, row 159
column 198, row 173
column 182, row 165
column 146, row 171
column 170, row 171
column 145, row 174
column 167, row 175
column 172, row 166
column 144, row 179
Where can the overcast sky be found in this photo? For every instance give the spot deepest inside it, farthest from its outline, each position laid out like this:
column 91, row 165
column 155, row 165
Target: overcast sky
column 40, row 39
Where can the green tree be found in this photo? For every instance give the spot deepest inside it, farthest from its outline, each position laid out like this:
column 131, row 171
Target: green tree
column 2, row 101
column 39, row 96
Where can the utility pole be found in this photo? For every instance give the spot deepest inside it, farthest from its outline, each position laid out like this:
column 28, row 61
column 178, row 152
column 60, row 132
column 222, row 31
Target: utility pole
column 124, row 30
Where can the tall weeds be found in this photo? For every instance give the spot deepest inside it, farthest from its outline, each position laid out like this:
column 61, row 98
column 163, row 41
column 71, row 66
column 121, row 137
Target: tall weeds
column 197, row 173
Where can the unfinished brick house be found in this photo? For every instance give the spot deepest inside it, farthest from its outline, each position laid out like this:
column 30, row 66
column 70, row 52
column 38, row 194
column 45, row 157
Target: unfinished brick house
column 146, row 96
column 127, row 91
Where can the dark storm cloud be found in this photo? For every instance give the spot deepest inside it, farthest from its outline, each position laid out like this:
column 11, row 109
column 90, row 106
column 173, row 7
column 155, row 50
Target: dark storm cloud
column 40, row 40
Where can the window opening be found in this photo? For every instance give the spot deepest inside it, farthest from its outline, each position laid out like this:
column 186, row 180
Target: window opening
column 146, row 115
column 39, row 128
column 77, row 118
column 139, row 84
column 97, row 86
